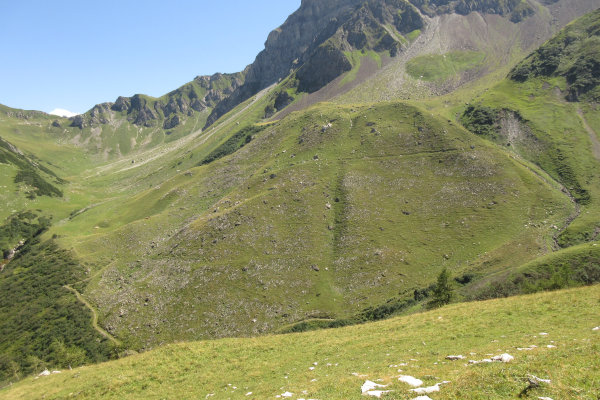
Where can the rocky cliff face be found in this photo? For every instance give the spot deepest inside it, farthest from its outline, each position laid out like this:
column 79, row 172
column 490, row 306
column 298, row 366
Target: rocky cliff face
column 313, row 39
column 169, row 110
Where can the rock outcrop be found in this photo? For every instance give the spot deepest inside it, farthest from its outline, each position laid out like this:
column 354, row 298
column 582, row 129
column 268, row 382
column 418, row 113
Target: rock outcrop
column 169, row 110
column 313, row 40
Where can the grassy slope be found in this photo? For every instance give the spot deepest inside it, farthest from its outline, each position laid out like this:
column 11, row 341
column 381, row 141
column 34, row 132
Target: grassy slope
column 225, row 231
column 249, row 219
column 272, row 365
column 557, row 122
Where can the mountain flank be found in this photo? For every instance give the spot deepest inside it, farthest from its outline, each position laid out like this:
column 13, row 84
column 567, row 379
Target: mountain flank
column 392, row 146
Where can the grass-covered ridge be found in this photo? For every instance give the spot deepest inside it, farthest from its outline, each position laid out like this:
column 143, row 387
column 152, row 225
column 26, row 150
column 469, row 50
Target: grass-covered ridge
column 334, row 364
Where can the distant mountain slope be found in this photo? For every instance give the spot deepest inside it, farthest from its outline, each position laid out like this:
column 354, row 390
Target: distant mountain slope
column 132, row 124
column 546, row 112
column 323, row 214
column 317, row 42
column 573, row 54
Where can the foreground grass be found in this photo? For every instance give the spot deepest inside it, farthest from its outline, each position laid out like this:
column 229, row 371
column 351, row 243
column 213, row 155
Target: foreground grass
column 333, row 364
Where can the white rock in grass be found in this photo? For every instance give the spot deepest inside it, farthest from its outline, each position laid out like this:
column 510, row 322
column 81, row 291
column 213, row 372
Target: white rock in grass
column 505, row 358
column 454, row 358
column 44, row 373
column 551, row 346
column 287, row 394
column 543, row 334
column 545, row 398
column 412, row 381
column 429, row 389
column 536, row 380
column 376, row 393
column 249, row 394
column 56, row 372
column 485, row 360
column 369, row 385
column 596, row 328
column 422, row 398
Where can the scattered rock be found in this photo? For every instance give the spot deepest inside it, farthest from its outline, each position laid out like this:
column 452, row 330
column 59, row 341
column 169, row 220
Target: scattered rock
column 543, row 334
column 328, row 206
column 537, row 381
column 485, row 360
column 376, row 393
column 287, row 394
column 429, row 389
column 532, row 347
column 596, row 328
column 44, row 373
column 422, row 398
column 412, row 381
column 369, row 385
column 533, row 383
column 454, row 358
column 315, row 268
column 505, row 358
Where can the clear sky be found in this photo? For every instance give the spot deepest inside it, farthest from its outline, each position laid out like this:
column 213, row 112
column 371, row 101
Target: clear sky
column 73, row 54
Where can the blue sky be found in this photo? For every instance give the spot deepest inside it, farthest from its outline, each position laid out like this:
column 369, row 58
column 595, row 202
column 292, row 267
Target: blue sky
column 74, row 54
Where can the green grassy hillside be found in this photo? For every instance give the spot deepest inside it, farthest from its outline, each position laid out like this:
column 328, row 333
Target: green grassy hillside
column 530, row 115
column 335, row 214
column 343, row 207
column 334, row 364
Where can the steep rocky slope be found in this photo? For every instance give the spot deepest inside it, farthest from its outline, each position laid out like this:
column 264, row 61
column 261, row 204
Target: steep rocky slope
column 316, row 42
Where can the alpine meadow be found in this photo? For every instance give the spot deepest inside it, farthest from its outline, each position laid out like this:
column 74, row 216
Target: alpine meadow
column 397, row 199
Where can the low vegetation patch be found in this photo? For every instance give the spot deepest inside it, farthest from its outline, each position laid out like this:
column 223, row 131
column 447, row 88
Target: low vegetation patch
column 577, row 266
column 441, row 67
column 29, row 173
column 234, row 143
column 42, row 324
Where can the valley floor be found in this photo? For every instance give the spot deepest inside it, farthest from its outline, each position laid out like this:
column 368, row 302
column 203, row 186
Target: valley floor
column 552, row 336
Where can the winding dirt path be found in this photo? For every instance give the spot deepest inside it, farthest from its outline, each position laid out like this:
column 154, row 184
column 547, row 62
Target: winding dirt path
column 94, row 315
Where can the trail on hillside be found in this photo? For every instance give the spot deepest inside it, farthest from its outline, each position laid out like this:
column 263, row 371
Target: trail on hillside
column 592, row 133
column 94, row 315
